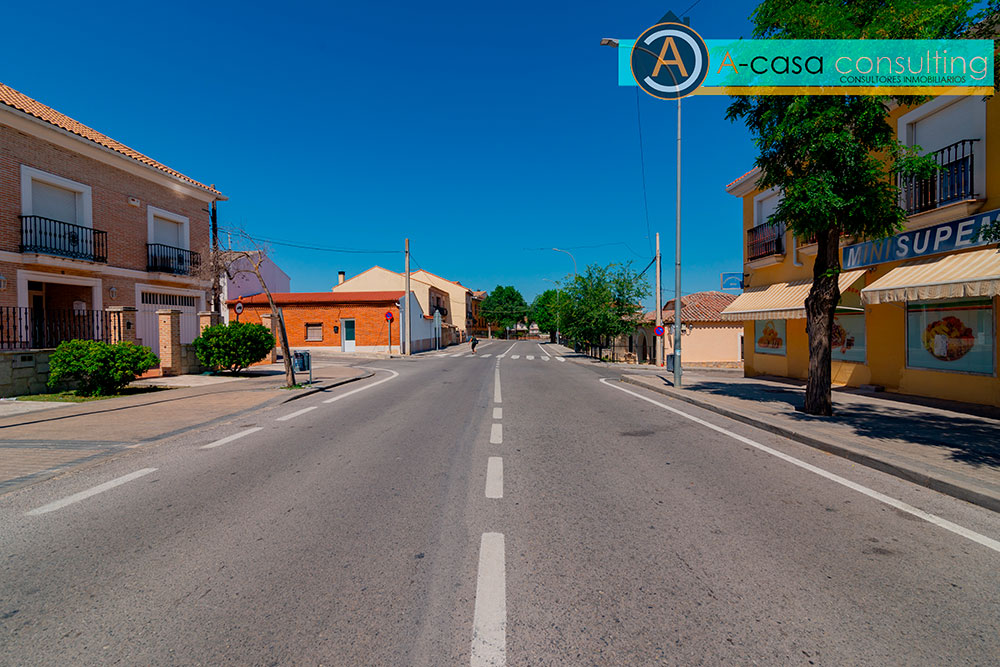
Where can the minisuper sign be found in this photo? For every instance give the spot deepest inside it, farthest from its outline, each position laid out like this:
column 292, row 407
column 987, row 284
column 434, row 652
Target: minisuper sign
column 670, row 58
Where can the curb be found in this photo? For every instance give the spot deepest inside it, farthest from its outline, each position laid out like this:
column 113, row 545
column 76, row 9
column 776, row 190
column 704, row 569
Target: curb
column 324, row 387
column 909, row 472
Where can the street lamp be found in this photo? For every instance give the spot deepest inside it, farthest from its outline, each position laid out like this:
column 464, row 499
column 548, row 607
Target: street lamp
column 613, row 43
column 571, row 257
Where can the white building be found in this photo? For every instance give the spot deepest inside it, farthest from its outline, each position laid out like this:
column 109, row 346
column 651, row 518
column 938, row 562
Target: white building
column 244, row 282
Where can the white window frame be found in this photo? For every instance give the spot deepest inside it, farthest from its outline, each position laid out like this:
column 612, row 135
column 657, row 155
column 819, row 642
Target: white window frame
column 183, row 221
column 84, row 204
column 905, row 132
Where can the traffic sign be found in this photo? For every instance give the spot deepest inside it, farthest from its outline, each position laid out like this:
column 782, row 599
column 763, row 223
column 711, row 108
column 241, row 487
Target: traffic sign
column 388, row 315
column 732, row 280
column 238, row 308
column 658, row 331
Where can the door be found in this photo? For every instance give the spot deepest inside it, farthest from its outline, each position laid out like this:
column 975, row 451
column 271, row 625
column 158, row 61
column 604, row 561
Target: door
column 148, row 322
column 347, row 338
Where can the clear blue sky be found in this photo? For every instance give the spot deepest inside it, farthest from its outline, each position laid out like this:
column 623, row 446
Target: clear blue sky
column 482, row 131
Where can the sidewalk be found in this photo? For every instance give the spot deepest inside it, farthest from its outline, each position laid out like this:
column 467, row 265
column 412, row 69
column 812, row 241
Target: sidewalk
column 953, row 448
column 39, row 444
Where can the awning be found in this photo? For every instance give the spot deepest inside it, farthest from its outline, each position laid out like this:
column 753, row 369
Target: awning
column 779, row 301
column 966, row 274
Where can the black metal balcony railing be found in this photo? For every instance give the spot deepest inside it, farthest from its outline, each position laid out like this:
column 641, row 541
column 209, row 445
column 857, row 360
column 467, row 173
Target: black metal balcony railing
column 765, row 240
column 32, row 328
column 954, row 182
column 52, row 237
column 169, row 259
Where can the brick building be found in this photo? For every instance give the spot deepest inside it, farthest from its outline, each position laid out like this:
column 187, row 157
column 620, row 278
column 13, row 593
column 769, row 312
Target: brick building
column 87, row 223
column 345, row 321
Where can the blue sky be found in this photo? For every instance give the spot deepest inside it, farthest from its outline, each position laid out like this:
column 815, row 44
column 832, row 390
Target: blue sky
column 483, row 132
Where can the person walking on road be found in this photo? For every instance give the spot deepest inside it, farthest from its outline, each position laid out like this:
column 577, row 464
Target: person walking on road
column 475, row 342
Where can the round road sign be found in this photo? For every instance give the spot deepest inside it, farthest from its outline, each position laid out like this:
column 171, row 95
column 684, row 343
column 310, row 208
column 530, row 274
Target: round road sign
column 669, row 61
column 658, row 331
column 238, row 308
column 388, row 315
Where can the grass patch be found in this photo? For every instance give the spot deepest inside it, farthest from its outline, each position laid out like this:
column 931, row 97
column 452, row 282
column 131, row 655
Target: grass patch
column 73, row 397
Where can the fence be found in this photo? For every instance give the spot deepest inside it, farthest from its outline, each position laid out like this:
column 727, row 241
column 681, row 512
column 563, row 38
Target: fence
column 31, row 328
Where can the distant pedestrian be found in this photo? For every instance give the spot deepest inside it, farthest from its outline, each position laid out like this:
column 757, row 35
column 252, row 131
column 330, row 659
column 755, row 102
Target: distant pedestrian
column 475, row 342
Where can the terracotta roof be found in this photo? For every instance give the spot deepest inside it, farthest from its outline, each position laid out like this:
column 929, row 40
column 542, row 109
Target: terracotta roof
column 22, row 102
column 729, row 185
column 699, row 307
column 295, row 298
column 480, row 295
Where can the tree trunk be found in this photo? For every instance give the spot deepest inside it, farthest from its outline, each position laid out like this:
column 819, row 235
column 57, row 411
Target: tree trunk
column 286, row 353
column 821, row 304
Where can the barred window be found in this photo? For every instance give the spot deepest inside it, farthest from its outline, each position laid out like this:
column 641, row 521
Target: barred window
column 314, row 332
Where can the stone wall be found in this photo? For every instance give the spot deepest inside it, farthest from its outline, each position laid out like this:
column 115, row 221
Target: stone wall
column 25, row 372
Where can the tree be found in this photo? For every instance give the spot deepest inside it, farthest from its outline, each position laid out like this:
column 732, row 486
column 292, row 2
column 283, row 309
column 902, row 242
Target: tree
column 504, row 307
column 545, row 310
column 249, row 256
column 834, row 157
column 988, row 27
column 603, row 301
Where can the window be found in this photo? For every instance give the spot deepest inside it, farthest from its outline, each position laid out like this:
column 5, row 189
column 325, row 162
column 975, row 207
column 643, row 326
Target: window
column 769, row 337
column 166, row 228
column 848, row 336
column 950, row 336
column 54, row 197
column 314, row 332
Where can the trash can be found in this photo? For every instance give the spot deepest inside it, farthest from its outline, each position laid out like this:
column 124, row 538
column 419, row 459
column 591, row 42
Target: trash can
column 301, row 361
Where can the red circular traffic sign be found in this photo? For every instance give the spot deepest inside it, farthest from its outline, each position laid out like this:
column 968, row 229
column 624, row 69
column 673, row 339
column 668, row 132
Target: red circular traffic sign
column 388, row 315
column 658, row 331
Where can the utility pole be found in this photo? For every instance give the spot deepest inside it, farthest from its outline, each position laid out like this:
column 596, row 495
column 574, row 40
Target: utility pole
column 658, row 340
column 215, row 254
column 407, row 298
column 677, row 256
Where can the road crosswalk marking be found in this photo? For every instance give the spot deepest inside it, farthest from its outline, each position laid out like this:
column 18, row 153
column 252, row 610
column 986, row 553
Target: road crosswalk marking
column 530, row 357
column 515, row 356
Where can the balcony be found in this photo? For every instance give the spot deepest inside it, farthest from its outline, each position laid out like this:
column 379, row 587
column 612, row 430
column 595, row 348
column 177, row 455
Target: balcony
column 52, row 237
column 765, row 240
column 168, row 259
column 953, row 183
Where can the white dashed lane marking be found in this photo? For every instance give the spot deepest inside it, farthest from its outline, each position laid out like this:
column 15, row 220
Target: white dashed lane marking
column 297, row 413
column 489, row 622
column 494, row 477
column 100, row 488
column 230, row 438
column 496, row 434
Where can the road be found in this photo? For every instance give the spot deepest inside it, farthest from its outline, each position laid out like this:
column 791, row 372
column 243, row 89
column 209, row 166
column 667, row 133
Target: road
column 507, row 508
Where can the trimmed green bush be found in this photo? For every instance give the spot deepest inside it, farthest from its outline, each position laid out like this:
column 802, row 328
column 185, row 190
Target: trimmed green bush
column 99, row 369
column 233, row 346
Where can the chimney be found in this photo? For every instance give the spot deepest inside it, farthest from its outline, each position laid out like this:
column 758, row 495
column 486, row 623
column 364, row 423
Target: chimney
column 340, row 277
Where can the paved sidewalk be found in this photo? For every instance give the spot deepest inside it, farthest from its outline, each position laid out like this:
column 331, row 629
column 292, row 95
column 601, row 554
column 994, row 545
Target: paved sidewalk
column 951, row 447
column 37, row 445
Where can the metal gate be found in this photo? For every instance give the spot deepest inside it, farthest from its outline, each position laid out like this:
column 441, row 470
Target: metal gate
column 148, row 324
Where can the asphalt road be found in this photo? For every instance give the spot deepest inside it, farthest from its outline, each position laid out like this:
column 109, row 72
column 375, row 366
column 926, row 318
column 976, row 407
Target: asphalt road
column 424, row 517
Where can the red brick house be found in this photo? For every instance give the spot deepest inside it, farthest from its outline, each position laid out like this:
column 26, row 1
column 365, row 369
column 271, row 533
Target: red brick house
column 345, row 321
column 87, row 223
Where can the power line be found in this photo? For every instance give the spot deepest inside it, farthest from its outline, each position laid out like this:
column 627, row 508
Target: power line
column 290, row 244
column 642, row 164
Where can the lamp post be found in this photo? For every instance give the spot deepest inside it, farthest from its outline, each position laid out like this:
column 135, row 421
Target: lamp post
column 613, row 43
column 571, row 257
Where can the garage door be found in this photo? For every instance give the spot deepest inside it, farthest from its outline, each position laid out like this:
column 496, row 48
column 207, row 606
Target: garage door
column 148, row 325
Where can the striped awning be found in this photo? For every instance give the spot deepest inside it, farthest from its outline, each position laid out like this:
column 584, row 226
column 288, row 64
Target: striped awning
column 966, row 274
column 779, row 301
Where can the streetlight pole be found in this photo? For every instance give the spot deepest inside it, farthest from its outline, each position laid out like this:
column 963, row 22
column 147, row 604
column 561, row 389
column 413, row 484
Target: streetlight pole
column 613, row 43
column 658, row 340
column 558, row 305
column 571, row 257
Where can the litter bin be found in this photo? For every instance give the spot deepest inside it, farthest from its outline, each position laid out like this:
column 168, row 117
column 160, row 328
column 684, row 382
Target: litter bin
column 301, row 361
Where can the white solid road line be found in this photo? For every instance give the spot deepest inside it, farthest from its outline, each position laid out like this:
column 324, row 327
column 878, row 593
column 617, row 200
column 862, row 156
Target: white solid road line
column 367, row 386
column 541, row 348
column 100, row 488
column 230, row 438
column 497, row 413
column 504, row 353
column 496, row 434
column 494, row 477
column 489, row 623
column 871, row 493
column 295, row 414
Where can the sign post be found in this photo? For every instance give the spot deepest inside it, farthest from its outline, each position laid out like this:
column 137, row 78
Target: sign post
column 388, row 320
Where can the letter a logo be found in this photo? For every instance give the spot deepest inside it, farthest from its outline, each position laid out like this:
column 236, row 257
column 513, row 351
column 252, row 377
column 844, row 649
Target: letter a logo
column 669, row 45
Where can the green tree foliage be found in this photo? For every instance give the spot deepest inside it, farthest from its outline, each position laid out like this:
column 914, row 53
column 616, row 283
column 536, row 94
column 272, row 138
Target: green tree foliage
column 504, row 307
column 545, row 310
column 603, row 301
column 835, row 157
column 233, row 346
column 99, row 369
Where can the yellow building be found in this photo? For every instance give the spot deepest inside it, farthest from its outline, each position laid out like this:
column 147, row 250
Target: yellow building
column 919, row 311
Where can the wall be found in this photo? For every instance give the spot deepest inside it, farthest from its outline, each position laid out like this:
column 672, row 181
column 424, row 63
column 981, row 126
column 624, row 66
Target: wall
column 371, row 328
column 377, row 279
column 459, row 298
column 707, row 341
column 245, row 282
column 25, row 373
